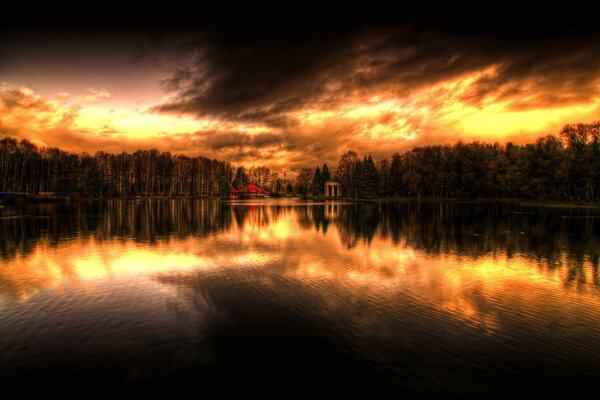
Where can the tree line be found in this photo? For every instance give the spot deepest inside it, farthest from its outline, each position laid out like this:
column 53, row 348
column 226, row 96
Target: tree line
column 25, row 168
column 564, row 167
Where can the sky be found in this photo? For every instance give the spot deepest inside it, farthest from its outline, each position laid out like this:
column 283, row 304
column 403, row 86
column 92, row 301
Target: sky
column 288, row 95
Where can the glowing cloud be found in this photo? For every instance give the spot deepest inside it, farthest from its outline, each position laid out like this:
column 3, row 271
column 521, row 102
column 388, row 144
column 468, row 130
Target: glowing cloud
column 290, row 99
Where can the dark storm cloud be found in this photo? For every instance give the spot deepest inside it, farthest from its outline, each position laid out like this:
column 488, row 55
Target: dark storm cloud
column 217, row 140
column 260, row 78
column 551, row 71
column 249, row 76
column 259, row 75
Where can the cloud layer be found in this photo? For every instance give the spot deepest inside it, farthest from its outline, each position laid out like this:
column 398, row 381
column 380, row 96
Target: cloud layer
column 304, row 86
column 261, row 77
column 290, row 97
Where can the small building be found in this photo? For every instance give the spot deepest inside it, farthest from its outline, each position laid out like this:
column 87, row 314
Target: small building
column 333, row 189
column 250, row 190
column 256, row 191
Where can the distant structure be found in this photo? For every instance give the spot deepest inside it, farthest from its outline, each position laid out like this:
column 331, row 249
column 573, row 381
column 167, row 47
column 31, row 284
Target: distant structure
column 333, row 189
column 250, row 190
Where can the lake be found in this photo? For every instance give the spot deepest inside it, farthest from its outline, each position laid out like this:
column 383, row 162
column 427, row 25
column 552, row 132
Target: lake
column 285, row 298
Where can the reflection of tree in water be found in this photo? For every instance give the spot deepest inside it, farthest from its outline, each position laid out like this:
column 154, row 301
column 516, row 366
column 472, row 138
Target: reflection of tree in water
column 320, row 221
column 261, row 215
column 304, row 219
column 576, row 274
column 315, row 216
column 145, row 221
column 595, row 265
column 542, row 234
column 240, row 213
column 549, row 236
column 358, row 222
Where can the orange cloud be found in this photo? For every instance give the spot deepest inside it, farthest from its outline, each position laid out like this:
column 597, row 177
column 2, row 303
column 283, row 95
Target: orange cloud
column 377, row 124
column 80, row 124
column 23, row 113
column 289, row 98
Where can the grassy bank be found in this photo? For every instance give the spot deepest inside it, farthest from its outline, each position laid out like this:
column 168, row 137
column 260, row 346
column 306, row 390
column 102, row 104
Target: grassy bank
column 512, row 202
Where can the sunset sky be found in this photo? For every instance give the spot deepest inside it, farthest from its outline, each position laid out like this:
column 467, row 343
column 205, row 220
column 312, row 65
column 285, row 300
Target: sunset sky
column 289, row 96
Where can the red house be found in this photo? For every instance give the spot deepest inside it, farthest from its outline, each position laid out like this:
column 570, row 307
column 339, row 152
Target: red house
column 250, row 190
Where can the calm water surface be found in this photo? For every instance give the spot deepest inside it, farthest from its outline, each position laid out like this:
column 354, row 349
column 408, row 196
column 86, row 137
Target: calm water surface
column 285, row 298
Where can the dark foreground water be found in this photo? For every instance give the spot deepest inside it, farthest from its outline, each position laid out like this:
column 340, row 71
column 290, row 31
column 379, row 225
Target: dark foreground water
column 287, row 298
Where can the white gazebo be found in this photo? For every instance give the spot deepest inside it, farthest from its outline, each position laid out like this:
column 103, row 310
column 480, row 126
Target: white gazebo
column 333, row 189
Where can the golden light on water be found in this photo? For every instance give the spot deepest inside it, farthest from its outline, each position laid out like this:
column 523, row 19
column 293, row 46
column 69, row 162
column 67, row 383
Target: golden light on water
column 466, row 287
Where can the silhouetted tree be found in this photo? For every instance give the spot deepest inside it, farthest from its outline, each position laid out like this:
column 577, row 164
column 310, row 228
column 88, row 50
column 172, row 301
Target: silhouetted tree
column 317, row 181
column 303, row 182
column 25, row 168
column 259, row 175
column 345, row 171
column 241, row 178
column 225, row 184
column 369, row 179
column 325, row 175
column 91, row 185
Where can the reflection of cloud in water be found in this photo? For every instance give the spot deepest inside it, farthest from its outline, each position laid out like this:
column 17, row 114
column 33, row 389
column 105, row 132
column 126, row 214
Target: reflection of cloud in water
column 472, row 288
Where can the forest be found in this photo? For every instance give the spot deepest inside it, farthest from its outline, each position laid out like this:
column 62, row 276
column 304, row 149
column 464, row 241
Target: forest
column 24, row 168
column 564, row 168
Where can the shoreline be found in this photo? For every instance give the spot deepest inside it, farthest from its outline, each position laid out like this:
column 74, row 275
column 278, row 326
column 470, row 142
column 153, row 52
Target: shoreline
column 379, row 200
column 486, row 202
